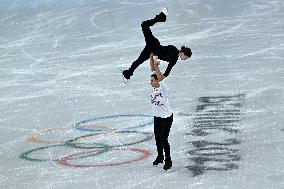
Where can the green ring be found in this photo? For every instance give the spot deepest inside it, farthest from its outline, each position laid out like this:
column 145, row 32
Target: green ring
column 75, row 144
column 26, row 155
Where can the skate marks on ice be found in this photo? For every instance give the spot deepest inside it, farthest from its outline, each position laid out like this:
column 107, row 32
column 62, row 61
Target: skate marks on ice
column 216, row 118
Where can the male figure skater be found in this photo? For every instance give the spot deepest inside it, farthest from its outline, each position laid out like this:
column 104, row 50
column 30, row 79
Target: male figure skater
column 166, row 53
column 163, row 117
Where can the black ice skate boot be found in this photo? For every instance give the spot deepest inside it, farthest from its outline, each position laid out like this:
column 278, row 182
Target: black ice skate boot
column 162, row 17
column 158, row 160
column 127, row 74
column 168, row 164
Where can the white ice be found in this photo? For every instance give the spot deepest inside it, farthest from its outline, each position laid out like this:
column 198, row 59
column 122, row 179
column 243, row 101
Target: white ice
column 60, row 64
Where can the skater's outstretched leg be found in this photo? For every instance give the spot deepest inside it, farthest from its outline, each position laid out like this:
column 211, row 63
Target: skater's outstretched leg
column 144, row 55
column 152, row 43
column 150, row 40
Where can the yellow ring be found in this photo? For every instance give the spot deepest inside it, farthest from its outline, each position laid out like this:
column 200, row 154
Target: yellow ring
column 36, row 137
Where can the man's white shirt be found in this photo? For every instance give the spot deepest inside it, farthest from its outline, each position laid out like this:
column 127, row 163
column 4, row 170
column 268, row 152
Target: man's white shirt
column 159, row 100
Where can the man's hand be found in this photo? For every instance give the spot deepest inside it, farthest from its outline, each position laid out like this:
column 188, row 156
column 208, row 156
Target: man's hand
column 157, row 69
column 156, row 61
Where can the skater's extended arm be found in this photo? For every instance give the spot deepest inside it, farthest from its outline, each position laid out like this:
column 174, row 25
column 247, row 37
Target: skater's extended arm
column 168, row 70
column 158, row 71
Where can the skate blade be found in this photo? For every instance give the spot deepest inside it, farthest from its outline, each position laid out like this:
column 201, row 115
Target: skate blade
column 165, row 11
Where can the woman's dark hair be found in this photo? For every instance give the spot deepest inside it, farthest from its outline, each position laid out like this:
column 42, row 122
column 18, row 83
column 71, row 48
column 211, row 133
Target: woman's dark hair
column 186, row 51
column 155, row 76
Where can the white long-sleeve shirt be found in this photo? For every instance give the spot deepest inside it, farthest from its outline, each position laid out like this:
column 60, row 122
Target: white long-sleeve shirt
column 159, row 100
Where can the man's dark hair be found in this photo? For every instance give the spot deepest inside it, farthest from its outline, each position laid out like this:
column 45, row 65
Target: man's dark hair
column 155, row 76
column 186, row 51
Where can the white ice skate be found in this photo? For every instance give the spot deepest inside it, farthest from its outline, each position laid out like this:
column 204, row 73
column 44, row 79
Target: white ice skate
column 165, row 11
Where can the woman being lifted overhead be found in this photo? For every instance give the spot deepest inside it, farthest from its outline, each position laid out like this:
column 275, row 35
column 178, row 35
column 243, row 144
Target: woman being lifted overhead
column 167, row 53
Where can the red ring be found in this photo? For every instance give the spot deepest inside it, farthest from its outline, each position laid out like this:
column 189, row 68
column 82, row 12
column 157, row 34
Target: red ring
column 64, row 161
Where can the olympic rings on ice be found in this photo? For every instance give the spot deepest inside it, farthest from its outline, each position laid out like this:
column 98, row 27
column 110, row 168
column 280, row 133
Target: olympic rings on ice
column 96, row 148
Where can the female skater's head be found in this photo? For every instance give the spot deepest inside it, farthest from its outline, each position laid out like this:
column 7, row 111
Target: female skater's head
column 185, row 53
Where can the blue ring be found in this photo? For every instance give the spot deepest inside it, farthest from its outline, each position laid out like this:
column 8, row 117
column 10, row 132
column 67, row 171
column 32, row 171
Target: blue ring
column 77, row 125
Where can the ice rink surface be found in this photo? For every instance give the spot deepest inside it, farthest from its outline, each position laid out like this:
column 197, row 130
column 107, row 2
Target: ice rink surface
column 67, row 119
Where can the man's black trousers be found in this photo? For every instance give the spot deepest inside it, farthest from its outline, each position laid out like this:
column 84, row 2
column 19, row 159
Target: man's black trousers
column 162, row 127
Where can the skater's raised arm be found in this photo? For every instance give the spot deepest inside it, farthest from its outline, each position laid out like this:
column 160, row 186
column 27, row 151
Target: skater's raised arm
column 159, row 74
column 152, row 62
